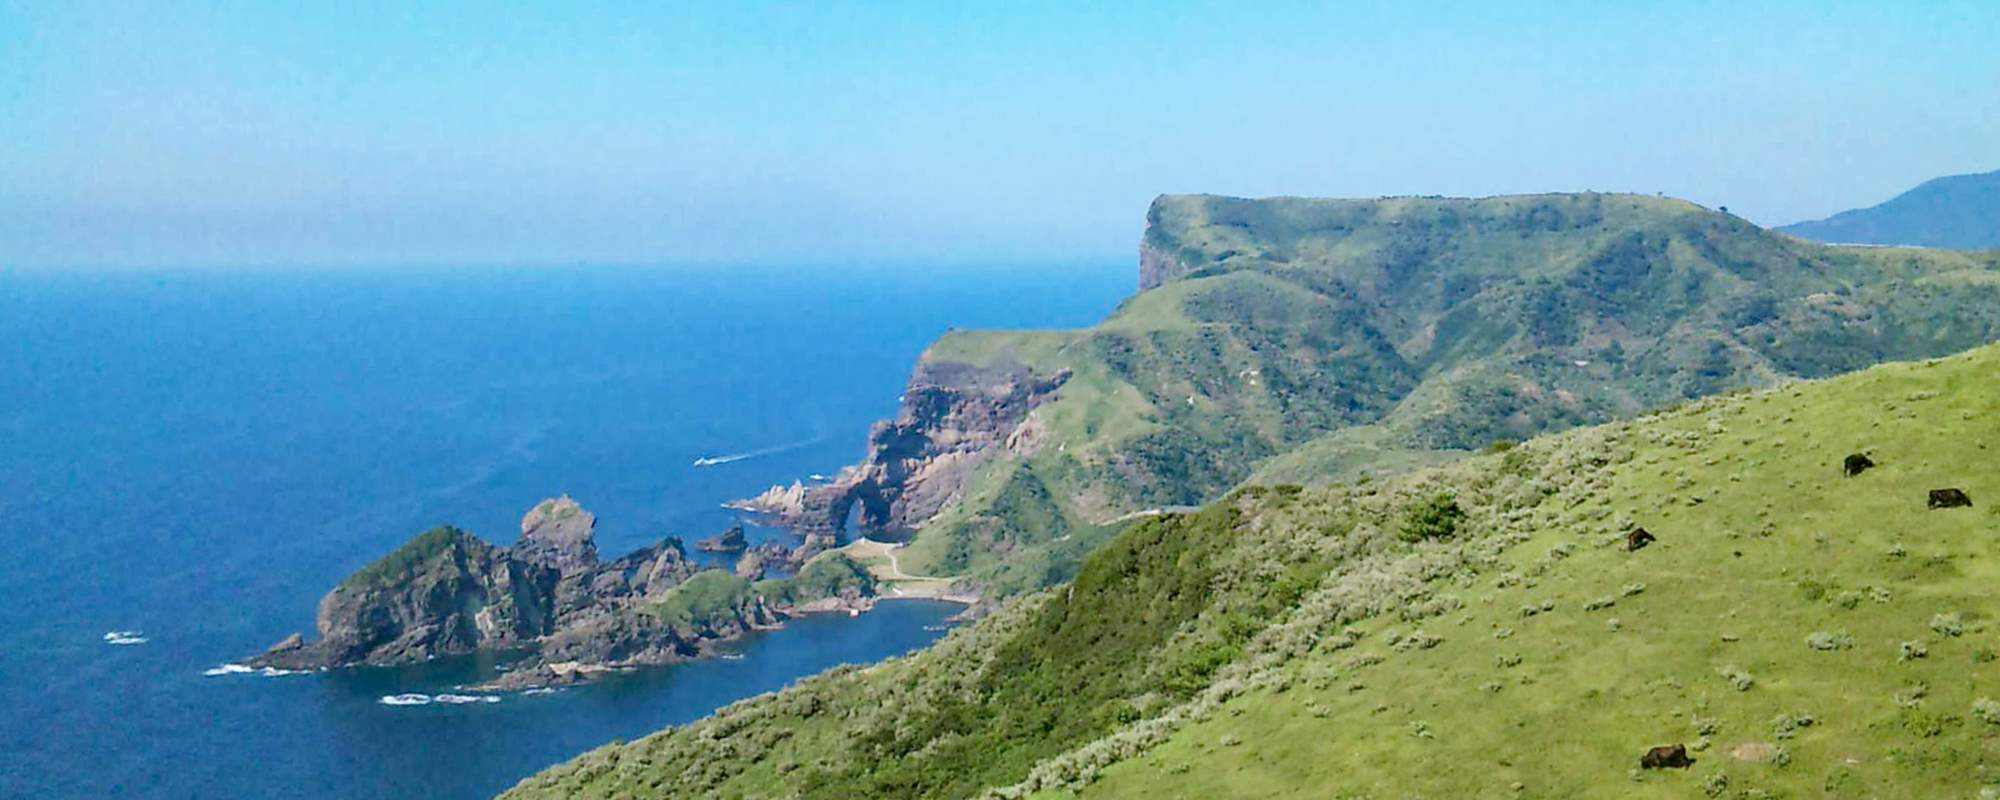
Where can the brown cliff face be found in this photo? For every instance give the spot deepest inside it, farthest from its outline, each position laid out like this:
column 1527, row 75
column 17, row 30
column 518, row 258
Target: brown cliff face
column 953, row 418
column 1157, row 265
column 1159, row 253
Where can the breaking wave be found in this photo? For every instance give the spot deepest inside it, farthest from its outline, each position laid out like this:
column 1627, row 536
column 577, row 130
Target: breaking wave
column 239, row 669
column 125, row 638
column 418, row 699
column 406, row 700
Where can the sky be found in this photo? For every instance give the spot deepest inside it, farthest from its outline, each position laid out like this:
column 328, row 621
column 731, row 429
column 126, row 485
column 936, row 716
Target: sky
column 288, row 134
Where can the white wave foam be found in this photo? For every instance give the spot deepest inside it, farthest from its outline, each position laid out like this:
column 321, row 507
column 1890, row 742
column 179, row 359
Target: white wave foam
column 461, row 699
column 405, row 700
column 125, row 638
column 420, row 699
column 541, row 690
column 241, row 669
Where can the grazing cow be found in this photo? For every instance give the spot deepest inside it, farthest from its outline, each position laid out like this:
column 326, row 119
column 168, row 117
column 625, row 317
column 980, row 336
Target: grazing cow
column 1637, row 538
column 1664, row 757
column 1949, row 498
column 1856, row 464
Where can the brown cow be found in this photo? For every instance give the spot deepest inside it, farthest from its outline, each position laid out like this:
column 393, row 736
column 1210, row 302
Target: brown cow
column 1665, row 757
column 1638, row 538
column 1856, row 464
column 1949, row 498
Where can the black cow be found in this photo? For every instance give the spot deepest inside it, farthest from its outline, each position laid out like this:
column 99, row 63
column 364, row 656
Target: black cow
column 1665, row 757
column 1638, row 538
column 1949, row 498
column 1856, row 464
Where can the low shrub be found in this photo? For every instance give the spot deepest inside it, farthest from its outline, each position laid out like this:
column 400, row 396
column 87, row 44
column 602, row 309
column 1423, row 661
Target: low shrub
column 1911, row 651
column 1738, row 679
column 1436, row 518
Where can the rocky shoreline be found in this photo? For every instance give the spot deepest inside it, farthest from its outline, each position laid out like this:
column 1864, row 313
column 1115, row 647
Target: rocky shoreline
column 549, row 597
column 954, row 417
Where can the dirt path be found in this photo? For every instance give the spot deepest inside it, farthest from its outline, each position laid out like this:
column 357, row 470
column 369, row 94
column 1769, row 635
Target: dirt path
column 898, row 583
column 1150, row 512
column 864, row 548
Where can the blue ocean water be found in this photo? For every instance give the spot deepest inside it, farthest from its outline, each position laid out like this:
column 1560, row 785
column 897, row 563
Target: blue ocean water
column 198, row 456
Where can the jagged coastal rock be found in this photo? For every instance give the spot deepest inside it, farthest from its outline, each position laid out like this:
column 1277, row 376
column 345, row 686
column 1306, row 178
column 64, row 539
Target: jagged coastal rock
column 954, row 417
column 728, row 541
column 548, row 597
column 759, row 560
column 444, row 592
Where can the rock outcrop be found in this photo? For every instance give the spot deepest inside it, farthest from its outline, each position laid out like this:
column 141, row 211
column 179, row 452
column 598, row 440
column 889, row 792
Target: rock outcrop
column 728, row 541
column 447, row 592
column 758, row 561
column 444, row 592
column 558, row 534
column 953, row 418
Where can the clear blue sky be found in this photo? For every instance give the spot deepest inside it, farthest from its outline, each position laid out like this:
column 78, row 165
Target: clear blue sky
column 198, row 133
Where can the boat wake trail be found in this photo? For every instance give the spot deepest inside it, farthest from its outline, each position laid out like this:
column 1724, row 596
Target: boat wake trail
column 710, row 461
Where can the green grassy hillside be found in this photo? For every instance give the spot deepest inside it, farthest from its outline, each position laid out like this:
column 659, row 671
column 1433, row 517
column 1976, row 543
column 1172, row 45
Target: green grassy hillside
column 1475, row 629
column 1312, row 341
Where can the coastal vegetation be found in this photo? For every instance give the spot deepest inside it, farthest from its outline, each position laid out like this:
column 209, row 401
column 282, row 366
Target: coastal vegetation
column 714, row 600
column 1803, row 633
column 702, row 600
column 411, row 557
column 1313, row 342
column 827, row 575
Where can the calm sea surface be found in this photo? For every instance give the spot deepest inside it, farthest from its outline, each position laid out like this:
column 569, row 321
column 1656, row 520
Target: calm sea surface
column 198, row 456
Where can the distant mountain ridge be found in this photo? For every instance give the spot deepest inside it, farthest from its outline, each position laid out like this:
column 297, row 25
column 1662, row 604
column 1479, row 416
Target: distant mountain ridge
column 1958, row 212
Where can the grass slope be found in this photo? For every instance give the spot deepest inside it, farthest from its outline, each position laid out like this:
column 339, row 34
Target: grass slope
column 1314, row 341
column 1289, row 642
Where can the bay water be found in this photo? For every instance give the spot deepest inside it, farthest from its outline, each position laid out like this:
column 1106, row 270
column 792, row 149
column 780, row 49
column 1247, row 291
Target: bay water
column 194, row 457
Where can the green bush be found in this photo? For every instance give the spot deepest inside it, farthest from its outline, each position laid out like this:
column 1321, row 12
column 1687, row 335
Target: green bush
column 403, row 561
column 1436, row 518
